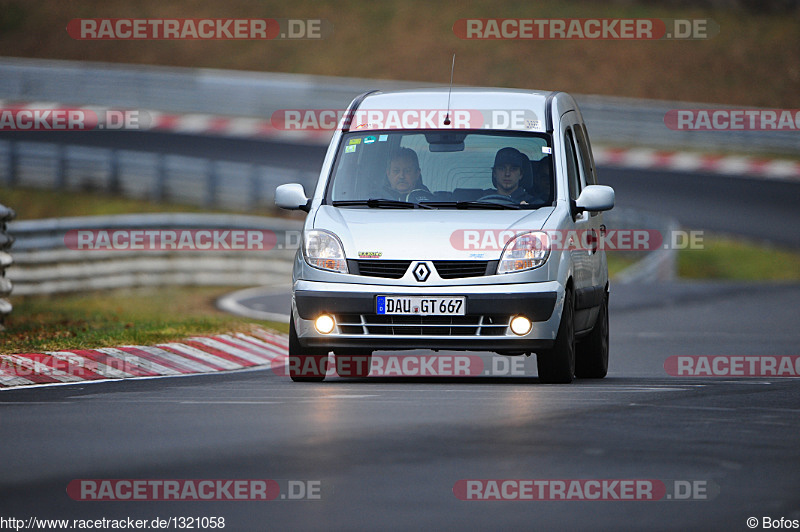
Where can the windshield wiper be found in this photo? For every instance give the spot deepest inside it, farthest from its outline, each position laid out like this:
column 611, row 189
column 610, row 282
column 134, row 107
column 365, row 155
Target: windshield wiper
column 472, row 205
column 379, row 203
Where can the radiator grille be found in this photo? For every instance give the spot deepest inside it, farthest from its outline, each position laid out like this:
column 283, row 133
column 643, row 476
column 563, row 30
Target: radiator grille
column 369, row 324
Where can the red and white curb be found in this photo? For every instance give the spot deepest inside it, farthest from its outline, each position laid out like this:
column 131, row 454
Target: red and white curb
column 644, row 158
column 191, row 123
column 697, row 162
column 197, row 355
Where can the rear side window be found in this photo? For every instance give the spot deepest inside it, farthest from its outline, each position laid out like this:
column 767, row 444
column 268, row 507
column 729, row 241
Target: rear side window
column 586, row 155
column 572, row 165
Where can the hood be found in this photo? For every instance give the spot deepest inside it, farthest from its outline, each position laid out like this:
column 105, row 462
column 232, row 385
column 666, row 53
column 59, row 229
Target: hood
column 435, row 234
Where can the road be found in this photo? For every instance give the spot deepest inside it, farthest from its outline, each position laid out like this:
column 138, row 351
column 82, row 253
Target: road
column 388, row 451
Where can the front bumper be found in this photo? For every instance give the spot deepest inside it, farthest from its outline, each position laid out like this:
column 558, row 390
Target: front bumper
column 484, row 328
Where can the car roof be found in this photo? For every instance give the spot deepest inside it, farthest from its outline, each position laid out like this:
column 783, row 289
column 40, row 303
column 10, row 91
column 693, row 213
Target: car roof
column 492, row 105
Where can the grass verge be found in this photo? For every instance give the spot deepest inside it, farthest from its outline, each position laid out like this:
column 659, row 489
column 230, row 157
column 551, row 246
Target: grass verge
column 740, row 260
column 35, row 203
column 618, row 262
column 141, row 316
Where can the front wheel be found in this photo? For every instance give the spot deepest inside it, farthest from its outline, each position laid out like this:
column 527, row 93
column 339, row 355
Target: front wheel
column 557, row 365
column 591, row 354
column 305, row 364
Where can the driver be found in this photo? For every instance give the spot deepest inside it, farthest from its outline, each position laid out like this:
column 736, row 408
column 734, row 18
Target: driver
column 507, row 173
column 404, row 176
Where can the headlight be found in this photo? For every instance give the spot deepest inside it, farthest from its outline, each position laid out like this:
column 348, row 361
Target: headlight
column 524, row 252
column 323, row 250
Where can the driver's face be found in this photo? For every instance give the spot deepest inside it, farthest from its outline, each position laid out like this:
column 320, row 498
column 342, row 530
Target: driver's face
column 403, row 174
column 507, row 177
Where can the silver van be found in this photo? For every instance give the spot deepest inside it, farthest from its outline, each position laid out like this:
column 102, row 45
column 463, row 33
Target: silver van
column 463, row 219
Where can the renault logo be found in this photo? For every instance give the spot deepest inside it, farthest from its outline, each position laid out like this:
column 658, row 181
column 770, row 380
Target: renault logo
column 421, row 271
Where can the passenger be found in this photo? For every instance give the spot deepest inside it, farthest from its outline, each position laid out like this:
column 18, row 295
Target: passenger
column 510, row 167
column 542, row 181
column 405, row 177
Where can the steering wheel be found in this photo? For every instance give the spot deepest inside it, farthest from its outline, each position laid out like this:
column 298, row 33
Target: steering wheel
column 501, row 197
column 415, row 196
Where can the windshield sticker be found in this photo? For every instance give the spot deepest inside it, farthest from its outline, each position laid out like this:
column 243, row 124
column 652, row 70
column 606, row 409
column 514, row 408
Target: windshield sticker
column 349, row 149
column 355, row 141
column 383, row 138
column 547, row 149
column 369, row 140
column 370, row 254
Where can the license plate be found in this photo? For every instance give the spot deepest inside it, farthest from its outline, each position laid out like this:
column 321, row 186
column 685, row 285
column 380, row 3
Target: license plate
column 422, row 306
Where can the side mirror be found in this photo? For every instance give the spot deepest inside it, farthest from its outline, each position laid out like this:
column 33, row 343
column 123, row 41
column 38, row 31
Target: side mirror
column 595, row 198
column 292, row 196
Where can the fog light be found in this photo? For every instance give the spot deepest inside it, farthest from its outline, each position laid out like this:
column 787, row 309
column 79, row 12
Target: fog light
column 520, row 325
column 324, row 324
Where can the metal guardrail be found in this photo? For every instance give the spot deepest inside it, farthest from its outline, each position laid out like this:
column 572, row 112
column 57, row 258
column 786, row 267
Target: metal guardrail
column 657, row 265
column 44, row 264
column 145, row 175
column 6, row 241
column 612, row 121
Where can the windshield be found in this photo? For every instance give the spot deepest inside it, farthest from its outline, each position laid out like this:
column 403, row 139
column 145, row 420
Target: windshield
column 442, row 169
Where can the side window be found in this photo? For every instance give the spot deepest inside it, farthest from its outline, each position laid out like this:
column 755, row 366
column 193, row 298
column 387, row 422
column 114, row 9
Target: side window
column 586, row 158
column 572, row 165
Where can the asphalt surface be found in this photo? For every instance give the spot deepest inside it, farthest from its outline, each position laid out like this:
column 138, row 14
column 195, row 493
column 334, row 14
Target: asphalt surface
column 759, row 209
column 389, row 451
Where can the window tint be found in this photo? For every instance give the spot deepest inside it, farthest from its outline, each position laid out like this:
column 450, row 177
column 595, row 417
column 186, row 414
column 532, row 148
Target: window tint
column 461, row 169
column 585, row 155
column 572, row 165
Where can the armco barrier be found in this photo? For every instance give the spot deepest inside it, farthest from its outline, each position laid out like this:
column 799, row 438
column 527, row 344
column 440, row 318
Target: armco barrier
column 657, row 265
column 44, row 264
column 145, row 175
column 6, row 240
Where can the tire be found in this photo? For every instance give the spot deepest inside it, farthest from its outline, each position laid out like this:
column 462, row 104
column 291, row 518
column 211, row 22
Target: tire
column 591, row 354
column 355, row 363
column 557, row 365
column 305, row 364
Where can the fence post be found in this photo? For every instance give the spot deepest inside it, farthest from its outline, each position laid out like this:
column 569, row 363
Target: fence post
column 6, row 241
column 255, row 187
column 12, row 163
column 113, row 175
column 212, row 180
column 61, row 167
column 160, row 191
